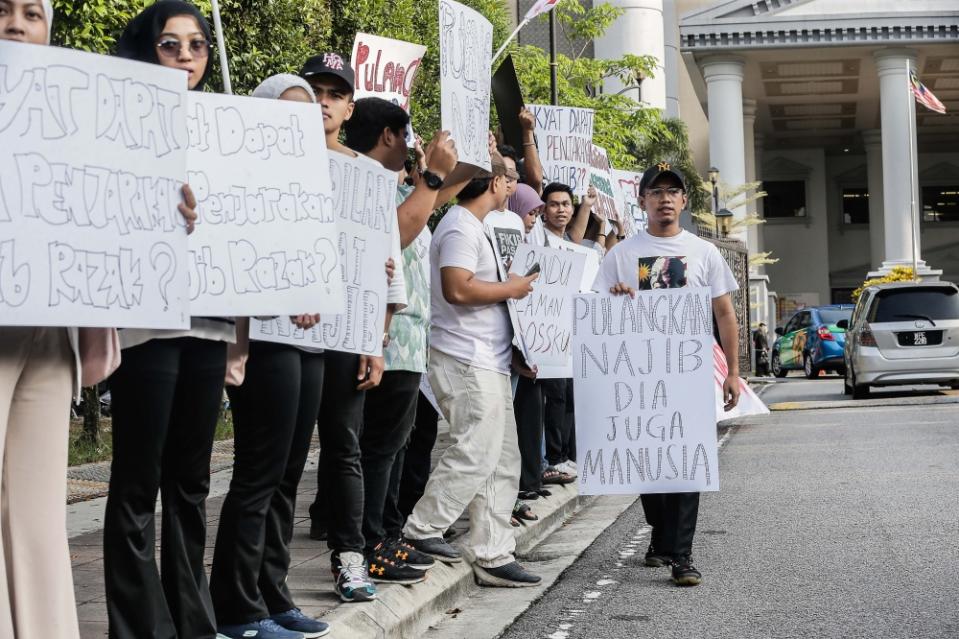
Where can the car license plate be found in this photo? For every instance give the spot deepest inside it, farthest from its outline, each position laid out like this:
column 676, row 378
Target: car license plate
column 920, row 338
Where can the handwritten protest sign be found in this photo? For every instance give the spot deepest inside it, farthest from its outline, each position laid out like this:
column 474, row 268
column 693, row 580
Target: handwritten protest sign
column 643, row 371
column 609, row 198
column 385, row 68
column 564, row 136
column 590, row 264
column 364, row 206
column 265, row 240
column 466, row 46
column 92, row 160
column 628, row 182
column 543, row 319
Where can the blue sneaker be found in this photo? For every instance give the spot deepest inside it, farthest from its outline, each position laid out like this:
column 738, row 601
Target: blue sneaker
column 296, row 621
column 351, row 582
column 263, row 629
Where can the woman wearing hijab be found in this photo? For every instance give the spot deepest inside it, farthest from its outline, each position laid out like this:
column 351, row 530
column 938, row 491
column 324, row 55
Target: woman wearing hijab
column 274, row 414
column 527, row 204
column 167, row 396
column 39, row 372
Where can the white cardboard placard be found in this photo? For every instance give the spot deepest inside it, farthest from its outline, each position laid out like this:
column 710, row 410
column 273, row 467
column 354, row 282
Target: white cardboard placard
column 385, row 68
column 644, row 396
column 564, row 137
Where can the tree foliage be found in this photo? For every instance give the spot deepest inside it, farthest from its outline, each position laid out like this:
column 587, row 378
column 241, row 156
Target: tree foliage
column 897, row 274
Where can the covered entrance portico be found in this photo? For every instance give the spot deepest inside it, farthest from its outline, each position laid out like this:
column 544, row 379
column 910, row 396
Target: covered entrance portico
column 811, row 97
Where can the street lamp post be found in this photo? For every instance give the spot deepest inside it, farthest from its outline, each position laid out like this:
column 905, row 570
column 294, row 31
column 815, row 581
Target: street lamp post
column 714, row 180
column 724, row 222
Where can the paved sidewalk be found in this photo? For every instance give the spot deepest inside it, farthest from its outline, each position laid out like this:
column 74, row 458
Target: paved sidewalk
column 399, row 609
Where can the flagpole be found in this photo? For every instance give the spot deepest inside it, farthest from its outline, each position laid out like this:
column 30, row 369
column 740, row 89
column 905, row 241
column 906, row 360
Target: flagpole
column 510, row 39
column 914, row 213
column 221, row 47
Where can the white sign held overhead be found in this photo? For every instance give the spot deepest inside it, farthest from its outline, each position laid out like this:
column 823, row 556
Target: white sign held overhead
column 92, row 161
column 565, row 137
column 645, row 413
column 543, row 320
column 609, row 197
column 385, row 68
column 364, row 206
column 628, row 182
column 466, row 46
column 265, row 240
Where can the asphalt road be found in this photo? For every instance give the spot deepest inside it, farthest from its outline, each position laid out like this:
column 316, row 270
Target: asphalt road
column 830, row 523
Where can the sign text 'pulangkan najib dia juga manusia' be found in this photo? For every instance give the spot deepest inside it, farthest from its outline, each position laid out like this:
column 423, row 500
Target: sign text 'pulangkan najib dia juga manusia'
column 385, row 68
column 363, row 201
column 92, row 161
column 265, row 239
column 466, row 49
column 643, row 371
column 564, row 138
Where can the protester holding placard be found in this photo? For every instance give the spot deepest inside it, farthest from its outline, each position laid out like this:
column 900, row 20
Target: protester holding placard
column 505, row 228
column 378, row 129
column 532, row 166
column 39, row 371
column 470, row 357
column 167, row 396
column 274, row 414
column 666, row 256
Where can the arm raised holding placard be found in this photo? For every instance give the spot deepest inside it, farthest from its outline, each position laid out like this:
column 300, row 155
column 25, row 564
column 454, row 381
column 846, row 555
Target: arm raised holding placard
column 531, row 162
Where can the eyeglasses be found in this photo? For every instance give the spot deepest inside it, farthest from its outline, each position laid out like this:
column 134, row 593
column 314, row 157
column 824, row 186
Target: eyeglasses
column 673, row 191
column 171, row 47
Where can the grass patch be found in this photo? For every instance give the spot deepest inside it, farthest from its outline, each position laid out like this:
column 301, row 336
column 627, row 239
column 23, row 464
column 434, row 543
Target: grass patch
column 82, row 451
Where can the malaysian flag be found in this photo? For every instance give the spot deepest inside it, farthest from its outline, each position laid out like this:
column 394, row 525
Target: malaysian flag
column 923, row 95
column 540, row 7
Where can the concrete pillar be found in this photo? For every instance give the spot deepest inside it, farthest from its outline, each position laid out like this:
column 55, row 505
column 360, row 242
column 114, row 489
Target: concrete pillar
column 760, row 140
column 898, row 109
column 638, row 31
column 673, row 60
column 749, row 146
column 724, row 95
column 872, row 139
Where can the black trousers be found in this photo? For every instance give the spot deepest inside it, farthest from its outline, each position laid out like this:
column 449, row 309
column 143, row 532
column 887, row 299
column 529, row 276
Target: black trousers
column 274, row 414
column 528, row 404
column 559, row 422
column 673, row 517
column 416, row 464
column 388, row 416
column 339, row 495
column 167, row 396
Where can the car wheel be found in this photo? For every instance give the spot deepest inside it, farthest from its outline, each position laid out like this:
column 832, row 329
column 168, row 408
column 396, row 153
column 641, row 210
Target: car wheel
column 808, row 367
column 859, row 391
column 777, row 367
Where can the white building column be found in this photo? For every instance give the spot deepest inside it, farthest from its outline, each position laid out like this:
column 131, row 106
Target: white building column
column 872, row 140
column 724, row 95
column 749, row 146
column 898, row 109
column 673, row 59
column 638, row 31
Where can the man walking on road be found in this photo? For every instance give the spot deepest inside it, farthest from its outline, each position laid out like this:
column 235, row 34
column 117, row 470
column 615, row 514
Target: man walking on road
column 666, row 256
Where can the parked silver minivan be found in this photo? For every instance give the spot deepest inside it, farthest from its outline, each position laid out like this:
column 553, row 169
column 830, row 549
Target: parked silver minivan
column 903, row 333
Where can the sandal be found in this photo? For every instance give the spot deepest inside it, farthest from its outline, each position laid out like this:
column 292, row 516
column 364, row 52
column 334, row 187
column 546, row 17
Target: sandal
column 522, row 512
column 528, row 495
column 553, row 475
column 542, row 492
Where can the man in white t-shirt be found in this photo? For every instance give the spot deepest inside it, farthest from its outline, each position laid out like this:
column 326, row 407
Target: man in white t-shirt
column 666, row 256
column 505, row 228
column 470, row 357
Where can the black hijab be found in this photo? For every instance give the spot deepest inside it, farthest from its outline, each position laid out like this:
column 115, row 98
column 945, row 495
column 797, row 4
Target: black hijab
column 138, row 41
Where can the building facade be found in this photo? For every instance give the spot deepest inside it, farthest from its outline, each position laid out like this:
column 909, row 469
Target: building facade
column 811, row 97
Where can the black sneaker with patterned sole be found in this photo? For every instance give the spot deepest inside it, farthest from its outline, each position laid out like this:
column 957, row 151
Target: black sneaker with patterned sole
column 386, row 569
column 655, row 560
column 685, row 573
column 402, row 550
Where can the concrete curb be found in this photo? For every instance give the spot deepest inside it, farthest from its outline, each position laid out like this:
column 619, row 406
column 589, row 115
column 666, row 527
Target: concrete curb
column 866, row 403
column 407, row 611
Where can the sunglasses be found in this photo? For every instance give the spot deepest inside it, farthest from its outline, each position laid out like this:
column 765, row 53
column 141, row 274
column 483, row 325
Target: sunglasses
column 171, row 47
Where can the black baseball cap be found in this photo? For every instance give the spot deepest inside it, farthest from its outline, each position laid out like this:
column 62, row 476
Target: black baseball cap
column 654, row 172
column 330, row 64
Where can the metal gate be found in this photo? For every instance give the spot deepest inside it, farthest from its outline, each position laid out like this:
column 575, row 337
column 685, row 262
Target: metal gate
column 736, row 255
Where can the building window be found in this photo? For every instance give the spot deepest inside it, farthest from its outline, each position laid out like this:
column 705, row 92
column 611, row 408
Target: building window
column 784, row 199
column 855, row 206
column 940, row 203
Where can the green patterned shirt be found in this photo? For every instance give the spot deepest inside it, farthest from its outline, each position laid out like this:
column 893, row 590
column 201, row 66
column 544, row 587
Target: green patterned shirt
column 409, row 330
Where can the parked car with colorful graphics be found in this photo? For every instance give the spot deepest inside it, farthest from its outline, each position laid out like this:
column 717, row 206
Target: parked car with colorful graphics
column 811, row 341
column 903, row 333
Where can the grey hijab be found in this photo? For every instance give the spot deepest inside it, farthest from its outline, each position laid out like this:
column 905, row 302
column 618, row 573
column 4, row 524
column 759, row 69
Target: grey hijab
column 275, row 86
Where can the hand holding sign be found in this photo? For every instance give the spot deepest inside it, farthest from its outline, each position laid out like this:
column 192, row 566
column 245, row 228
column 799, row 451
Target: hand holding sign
column 520, row 285
column 441, row 156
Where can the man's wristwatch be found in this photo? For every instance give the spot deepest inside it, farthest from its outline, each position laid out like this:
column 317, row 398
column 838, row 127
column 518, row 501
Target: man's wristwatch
column 620, row 237
column 432, row 180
